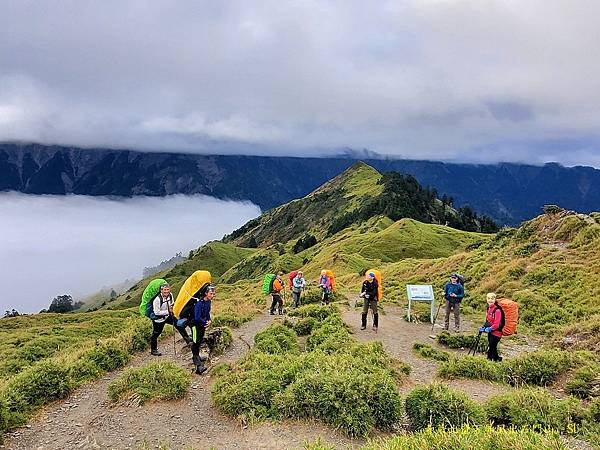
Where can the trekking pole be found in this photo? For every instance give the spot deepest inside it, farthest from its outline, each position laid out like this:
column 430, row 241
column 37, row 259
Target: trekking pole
column 475, row 344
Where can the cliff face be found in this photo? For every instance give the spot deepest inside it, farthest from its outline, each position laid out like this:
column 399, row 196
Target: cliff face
column 509, row 193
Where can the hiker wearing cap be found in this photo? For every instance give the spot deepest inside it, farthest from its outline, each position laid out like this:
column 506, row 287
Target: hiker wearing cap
column 493, row 327
column 162, row 307
column 298, row 285
column 453, row 293
column 326, row 287
column 276, row 289
column 369, row 293
column 199, row 325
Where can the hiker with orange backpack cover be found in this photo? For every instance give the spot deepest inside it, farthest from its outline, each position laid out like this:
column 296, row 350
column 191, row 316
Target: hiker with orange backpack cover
column 494, row 322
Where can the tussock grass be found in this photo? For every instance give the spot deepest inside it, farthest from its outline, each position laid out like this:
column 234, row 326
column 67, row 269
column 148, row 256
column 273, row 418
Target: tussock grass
column 161, row 380
column 430, row 352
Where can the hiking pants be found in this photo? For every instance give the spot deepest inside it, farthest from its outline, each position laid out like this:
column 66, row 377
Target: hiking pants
column 492, row 353
column 157, row 329
column 372, row 305
column 325, row 298
column 456, row 308
column 296, row 297
column 276, row 303
column 197, row 337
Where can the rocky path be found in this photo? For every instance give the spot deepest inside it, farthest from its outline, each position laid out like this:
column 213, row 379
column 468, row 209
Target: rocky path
column 398, row 337
column 88, row 420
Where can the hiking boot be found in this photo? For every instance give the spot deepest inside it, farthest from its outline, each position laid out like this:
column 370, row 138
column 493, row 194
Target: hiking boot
column 155, row 353
column 363, row 327
column 375, row 328
column 272, row 313
column 201, row 369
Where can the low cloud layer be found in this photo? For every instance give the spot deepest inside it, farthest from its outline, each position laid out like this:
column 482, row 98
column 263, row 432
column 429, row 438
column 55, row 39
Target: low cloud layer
column 436, row 79
column 54, row 245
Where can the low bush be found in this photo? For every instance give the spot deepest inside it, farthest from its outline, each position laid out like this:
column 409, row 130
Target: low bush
column 469, row 438
column 472, row 367
column 330, row 336
column 315, row 311
column 108, row 355
column 229, row 319
column 539, row 368
column 430, row 352
column 436, row 405
column 304, row 326
column 594, row 409
column 154, row 381
column 277, row 339
column 534, row 409
column 585, row 382
column 314, row 295
column 458, row 341
column 222, row 341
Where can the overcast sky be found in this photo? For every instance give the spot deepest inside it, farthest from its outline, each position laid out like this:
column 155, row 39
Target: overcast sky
column 512, row 80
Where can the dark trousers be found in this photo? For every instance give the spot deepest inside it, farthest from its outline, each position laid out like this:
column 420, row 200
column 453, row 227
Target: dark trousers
column 372, row 305
column 197, row 337
column 492, row 353
column 325, row 298
column 276, row 302
column 157, row 329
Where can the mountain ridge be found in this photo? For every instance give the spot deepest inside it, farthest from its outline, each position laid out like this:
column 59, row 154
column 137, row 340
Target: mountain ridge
column 508, row 192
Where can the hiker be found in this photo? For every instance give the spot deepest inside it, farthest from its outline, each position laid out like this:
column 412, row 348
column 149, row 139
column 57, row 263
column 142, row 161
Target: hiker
column 298, row 285
column 369, row 293
column 162, row 308
column 200, row 323
column 276, row 289
column 493, row 327
column 454, row 293
column 325, row 285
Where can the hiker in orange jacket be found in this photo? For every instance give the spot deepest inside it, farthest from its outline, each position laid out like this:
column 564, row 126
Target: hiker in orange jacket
column 276, row 301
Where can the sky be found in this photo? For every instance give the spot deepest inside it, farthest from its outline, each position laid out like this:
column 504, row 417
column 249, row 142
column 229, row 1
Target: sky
column 89, row 242
column 468, row 81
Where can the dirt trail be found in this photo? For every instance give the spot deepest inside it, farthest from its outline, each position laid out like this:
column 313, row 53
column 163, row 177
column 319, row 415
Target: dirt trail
column 88, row 420
column 398, row 337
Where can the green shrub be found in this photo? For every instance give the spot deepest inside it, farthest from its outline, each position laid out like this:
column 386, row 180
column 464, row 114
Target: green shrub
column 538, row 368
column 330, row 336
column 469, row 438
column 36, row 386
column 594, row 408
column 429, row 352
column 304, row 326
column 472, row 367
column 459, row 341
column 161, row 380
column 277, row 339
column 108, row 355
column 436, row 405
column 220, row 369
column 315, row 311
column 585, row 382
column 312, row 296
column 223, row 342
column 535, row 409
column 229, row 319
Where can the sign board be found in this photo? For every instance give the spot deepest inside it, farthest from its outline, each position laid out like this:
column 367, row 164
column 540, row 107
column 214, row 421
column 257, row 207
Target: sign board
column 420, row 293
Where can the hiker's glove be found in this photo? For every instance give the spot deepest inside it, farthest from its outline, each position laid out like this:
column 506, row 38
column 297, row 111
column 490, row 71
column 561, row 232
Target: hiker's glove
column 482, row 330
column 487, row 330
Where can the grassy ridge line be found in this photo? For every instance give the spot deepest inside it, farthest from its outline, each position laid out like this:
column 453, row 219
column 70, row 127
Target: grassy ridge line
column 56, row 377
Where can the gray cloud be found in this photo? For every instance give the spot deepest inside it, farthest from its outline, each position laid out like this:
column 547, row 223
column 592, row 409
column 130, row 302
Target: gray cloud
column 425, row 79
column 54, row 245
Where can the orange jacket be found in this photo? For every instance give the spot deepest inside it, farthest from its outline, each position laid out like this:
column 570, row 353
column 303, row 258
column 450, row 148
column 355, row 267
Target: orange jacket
column 277, row 285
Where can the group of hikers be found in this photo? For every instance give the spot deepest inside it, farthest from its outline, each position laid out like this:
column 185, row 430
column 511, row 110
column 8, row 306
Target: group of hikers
column 195, row 312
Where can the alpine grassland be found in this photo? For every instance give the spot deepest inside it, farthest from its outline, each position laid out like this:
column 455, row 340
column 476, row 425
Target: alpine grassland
column 348, row 385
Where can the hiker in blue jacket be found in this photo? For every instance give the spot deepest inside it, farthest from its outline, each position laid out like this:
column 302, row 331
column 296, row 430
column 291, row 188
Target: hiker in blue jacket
column 201, row 321
column 454, row 292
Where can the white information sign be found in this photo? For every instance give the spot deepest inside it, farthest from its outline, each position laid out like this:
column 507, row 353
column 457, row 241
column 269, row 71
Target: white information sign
column 420, row 293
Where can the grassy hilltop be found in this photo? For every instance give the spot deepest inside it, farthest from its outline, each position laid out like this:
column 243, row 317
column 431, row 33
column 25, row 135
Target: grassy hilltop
column 358, row 220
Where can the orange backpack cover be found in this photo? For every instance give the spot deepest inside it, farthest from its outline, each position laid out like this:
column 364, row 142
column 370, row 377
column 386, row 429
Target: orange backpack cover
column 511, row 315
column 378, row 278
column 331, row 276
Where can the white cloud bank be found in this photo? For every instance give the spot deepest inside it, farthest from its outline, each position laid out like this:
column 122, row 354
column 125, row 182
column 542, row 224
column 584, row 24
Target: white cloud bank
column 444, row 79
column 54, row 245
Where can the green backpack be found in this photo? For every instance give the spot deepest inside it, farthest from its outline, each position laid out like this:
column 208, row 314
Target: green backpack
column 151, row 291
column 267, row 286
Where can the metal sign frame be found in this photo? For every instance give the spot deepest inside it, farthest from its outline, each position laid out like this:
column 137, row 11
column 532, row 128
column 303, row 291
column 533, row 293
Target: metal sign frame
column 420, row 293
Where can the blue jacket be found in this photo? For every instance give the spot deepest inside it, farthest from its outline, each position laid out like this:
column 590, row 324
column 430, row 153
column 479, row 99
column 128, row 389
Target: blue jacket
column 454, row 289
column 202, row 312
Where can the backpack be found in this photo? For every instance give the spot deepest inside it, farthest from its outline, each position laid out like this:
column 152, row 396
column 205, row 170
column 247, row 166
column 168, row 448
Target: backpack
column 378, row 278
column 151, row 291
column 267, row 286
column 461, row 279
column 510, row 316
column 192, row 288
column 331, row 276
column 291, row 278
